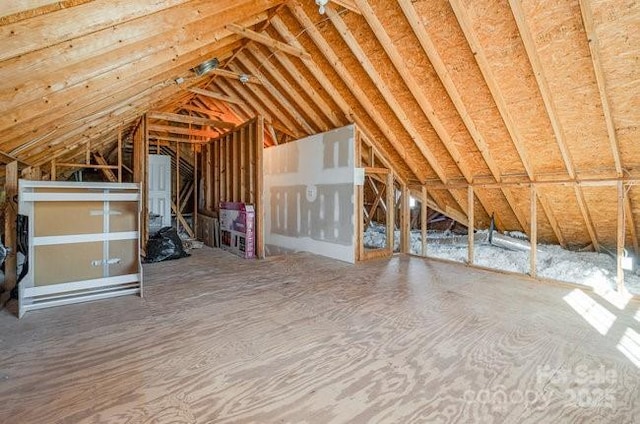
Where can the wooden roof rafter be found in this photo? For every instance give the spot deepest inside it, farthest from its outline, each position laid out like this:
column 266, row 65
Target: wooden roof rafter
column 485, row 68
column 277, row 96
column 416, row 167
column 594, row 49
column 292, row 91
column 306, row 86
column 545, row 92
column 328, row 87
column 391, row 100
column 430, row 113
column 275, row 102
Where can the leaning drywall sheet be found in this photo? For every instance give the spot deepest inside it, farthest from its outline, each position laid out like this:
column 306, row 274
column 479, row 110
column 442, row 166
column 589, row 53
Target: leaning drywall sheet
column 309, row 195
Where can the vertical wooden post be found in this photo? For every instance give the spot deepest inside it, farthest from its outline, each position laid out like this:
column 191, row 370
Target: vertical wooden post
column 10, row 232
column 471, row 219
column 423, row 220
column 391, row 201
column 178, row 212
column 620, row 238
column 533, row 233
column 195, row 190
column 120, row 155
column 140, row 176
column 87, row 153
column 359, row 201
column 405, row 221
column 259, row 146
column 53, row 170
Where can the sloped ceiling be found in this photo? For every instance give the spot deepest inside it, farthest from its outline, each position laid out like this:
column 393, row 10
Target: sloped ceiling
column 448, row 92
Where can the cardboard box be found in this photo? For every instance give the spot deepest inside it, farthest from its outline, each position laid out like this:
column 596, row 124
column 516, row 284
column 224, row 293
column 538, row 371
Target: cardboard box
column 237, row 228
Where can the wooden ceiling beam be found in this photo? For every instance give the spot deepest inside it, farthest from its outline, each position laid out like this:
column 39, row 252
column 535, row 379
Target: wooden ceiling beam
column 13, row 8
column 6, row 158
column 217, row 96
column 182, row 130
column 186, row 119
column 262, row 94
column 285, row 105
column 163, row 66
column 86, row 128
column 244, row 110
column 178, row 139
column 293, row 92
column 268, row 41
column 547, row 98
column 84, row 62
column 251, row 107
column 250, row 79
column 66, row 24
column 311, row 92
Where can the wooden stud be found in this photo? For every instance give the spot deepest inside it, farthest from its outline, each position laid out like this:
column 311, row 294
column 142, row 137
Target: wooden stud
column 470, row 225
column 53, row 170
column 196, row 181
column 236, row 139
column 10, row 231
column 177, row 202
column 259, row 187
column 405, row 220
column 423, row 220
column 391, row 219
column 620, row 239
column 533, row 233
column 119, row 155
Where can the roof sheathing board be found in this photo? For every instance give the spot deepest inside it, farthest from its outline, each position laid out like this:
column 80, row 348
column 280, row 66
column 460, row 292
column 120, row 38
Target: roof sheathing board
column 616, row 27
column 561, row 43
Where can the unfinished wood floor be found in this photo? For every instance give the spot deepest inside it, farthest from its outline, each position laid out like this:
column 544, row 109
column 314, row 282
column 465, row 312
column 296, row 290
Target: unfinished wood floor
column 305, row 339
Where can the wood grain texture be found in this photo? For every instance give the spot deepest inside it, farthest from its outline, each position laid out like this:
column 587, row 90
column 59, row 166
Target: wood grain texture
column 299, row 338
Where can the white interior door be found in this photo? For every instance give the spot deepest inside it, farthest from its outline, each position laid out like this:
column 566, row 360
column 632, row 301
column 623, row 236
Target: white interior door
column 159, row 191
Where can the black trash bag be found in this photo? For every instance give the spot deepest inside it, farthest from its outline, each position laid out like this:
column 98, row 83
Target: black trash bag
column 165, row 245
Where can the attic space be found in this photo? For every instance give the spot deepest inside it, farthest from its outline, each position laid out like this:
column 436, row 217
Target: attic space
column 319, row 211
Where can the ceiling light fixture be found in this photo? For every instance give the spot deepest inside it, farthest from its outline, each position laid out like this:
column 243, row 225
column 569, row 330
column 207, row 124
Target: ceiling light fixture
column 321, row 5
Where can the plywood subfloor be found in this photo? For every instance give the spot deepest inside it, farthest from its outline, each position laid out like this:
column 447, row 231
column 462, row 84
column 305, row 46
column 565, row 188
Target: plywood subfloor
column 306, row 339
